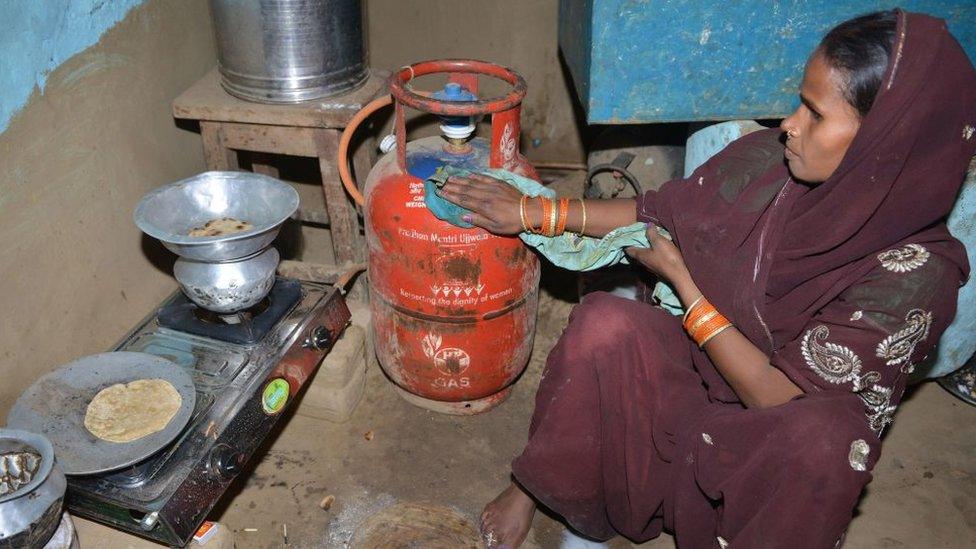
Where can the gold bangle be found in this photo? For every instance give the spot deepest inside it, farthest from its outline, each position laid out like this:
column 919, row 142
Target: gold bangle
column 582, row 231
column 713, row 334
column 692, row 307
column 553, row 216
column 525, row 225
column 698, row 323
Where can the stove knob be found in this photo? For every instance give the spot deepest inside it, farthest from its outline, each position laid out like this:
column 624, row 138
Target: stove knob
column 225, row 461
column 319, row 339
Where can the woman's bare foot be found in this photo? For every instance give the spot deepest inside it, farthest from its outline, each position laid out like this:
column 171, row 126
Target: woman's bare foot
column 505, row 522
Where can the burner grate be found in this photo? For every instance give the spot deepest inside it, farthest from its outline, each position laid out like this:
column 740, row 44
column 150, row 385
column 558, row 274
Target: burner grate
column 251, row 326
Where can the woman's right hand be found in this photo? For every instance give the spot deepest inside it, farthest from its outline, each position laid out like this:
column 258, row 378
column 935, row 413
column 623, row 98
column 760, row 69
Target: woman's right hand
column 494, row 204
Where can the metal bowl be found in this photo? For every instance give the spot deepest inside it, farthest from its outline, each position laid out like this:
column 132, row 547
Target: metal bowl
column 228, row 287
column 31, row 513
column 170, row 212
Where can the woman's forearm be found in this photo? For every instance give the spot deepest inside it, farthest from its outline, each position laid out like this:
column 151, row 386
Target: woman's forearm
column 743, row 365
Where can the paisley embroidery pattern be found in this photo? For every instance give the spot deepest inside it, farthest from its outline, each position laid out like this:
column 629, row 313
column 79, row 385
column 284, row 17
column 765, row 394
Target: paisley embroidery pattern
column 905, row 259
column 838, row 364
column 899, row 346
column 835, row 363
column 858, row 456
column 880, row 411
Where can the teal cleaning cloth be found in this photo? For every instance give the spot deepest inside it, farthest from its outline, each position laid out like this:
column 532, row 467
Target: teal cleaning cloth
column 569, row 250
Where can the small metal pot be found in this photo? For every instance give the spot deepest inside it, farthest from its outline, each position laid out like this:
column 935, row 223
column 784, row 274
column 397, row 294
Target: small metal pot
column 32, row 487
column 231, row 286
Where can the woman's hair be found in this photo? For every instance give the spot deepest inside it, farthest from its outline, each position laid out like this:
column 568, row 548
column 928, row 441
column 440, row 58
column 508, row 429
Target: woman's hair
column 860, row 48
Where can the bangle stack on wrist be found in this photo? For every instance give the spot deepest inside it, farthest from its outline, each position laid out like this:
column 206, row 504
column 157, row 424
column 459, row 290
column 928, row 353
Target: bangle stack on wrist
column 703, row 322
column 555, row 214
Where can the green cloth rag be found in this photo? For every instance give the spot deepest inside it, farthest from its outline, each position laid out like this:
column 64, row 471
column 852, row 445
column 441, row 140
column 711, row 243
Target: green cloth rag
column 569, row 250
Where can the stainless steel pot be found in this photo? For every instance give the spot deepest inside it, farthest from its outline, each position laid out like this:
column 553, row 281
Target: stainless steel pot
column 229, row 286
column 31, row 489
column 282, row 51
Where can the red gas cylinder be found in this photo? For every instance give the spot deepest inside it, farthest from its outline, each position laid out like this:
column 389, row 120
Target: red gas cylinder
column 453, row 309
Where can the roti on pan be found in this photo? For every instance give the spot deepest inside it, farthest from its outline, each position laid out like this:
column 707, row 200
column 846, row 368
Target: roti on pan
column 125, row 412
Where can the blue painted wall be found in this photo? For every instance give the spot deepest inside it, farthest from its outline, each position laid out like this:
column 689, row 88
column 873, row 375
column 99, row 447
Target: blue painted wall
column 36, row 36
column 640, row 61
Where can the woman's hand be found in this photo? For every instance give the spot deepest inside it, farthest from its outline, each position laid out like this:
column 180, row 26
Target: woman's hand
column 494, row 204
column 662, row 258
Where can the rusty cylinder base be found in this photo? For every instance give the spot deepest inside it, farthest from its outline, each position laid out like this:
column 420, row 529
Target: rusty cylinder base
column 463, row 408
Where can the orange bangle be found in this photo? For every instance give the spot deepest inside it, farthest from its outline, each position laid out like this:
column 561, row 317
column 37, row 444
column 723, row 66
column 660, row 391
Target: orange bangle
column 522, row 201
column 563, row 216
column 712, row 334
column 691, row 307
column 700, row 331
column 546, row 205
column 702, row 320
column 693, row 317
column 695, row 314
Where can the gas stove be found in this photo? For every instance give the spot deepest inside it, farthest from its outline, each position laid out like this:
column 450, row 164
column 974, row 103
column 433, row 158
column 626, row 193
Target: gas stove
column 246, row 374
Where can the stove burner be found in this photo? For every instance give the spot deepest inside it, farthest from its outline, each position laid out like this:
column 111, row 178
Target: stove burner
column 239, row 317
column 167, row 496
column 243, row 328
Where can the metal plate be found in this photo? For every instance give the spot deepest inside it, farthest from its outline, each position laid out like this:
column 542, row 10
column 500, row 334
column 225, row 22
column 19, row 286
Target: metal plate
column 55, row 407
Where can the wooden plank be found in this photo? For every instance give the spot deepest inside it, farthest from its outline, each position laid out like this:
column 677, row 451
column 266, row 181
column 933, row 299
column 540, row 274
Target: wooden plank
column 358, row 291
column 207, row 100
column 312, row 215
column 270, row 139
column 315, row 272
column 215, row 153
column 349, row 245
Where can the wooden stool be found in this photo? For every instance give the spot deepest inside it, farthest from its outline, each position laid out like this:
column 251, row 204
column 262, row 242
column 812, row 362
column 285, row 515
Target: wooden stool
column 311, row 129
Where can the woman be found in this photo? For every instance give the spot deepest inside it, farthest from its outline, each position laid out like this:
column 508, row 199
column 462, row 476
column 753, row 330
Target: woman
column 835, row 272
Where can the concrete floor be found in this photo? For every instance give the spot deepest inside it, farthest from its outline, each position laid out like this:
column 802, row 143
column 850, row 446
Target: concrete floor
column 922, row 495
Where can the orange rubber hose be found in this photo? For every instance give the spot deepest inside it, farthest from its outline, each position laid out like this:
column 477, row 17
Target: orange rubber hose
column 347, row 181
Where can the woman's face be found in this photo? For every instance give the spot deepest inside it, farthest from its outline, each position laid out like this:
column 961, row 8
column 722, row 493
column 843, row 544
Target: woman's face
column 822, row 127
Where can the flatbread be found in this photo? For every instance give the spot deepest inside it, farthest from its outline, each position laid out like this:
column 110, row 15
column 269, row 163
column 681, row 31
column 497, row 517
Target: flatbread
column 129, row 411
column 220, row 226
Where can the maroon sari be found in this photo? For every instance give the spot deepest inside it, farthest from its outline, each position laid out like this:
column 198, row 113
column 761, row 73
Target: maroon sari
column 845, row 285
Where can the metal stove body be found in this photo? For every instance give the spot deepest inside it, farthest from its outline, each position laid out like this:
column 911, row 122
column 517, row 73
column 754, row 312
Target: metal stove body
column 242, row 388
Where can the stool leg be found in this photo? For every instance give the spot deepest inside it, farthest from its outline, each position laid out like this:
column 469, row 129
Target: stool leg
column 215, row 154
column 363, row 158
column 260, row 163
column 349, row 245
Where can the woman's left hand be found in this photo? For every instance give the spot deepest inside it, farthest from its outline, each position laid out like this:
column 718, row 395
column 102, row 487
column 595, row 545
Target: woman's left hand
column 662, row 257
column 494, row 204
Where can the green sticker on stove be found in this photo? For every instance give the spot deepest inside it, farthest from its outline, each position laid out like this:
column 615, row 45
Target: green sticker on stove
column 275, row 396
